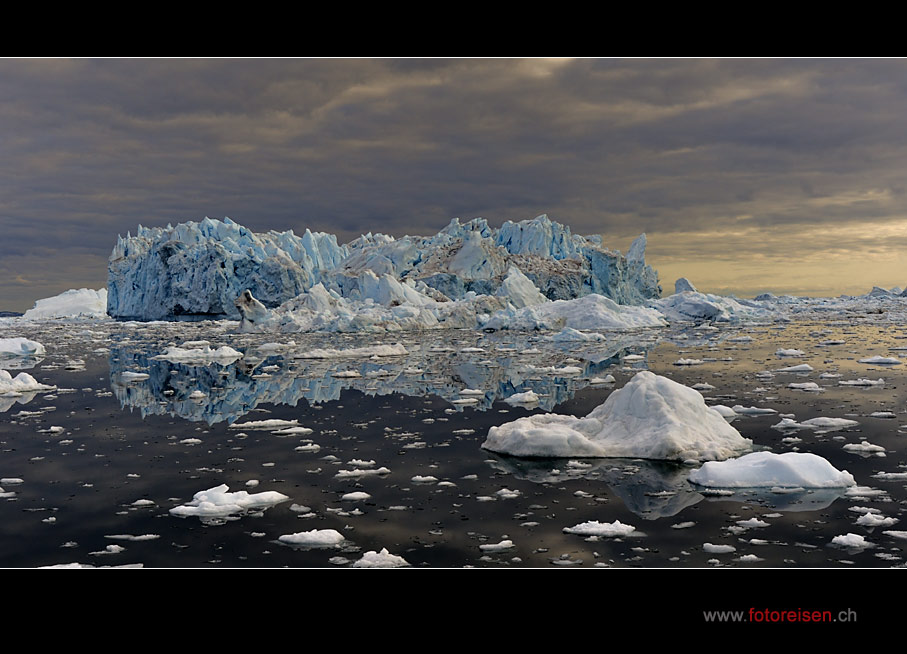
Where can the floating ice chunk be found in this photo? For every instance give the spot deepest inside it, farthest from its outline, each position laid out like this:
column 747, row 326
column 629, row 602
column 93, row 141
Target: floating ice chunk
column 767, row 470
column 688, row 362
column 529, row 397
column 74, row 303
column 21, row 383
column 601, row 529
column 726, row 412
column 607, row 379
column 718, row 549
column 861, row 382
column 219, row 502
column 825, row 424
column 222, row 355
column 896, row 534
column 293, row 431
column 651, row 417
column 752, row 523
column 316, row 538
column 265, row 424
column 865, row 447
column 382, row 559
column 871, row 520
column 811, row 387
column 568, row 334
column 803, row 367
column 781, row 352
column 891, row 476
column 358, row 496
column 882, row 414
column 752, row 410
column 497, row 547
column 110, row 549
column 882, row 361
column 129, row 376
column 130, row 537
column 20, row 347
column 855, row 541
column 702, row 386
column 360, row 472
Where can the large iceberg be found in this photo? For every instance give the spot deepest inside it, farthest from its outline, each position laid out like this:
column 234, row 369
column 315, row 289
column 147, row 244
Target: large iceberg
column 199, row 269
column 651, row 417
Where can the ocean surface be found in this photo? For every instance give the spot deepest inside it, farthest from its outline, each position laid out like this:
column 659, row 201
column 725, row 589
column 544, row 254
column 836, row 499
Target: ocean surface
column 393, row 460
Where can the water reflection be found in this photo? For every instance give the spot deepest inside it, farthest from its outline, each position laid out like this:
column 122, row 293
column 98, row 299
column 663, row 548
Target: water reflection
column 476, row 377
column 650, row 489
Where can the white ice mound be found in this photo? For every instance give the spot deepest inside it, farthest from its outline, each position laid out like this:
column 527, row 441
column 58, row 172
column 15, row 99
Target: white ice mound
column 74, row 303
column 769, row 470
column 588, row 312
column 690, row 305
column 316, row 538
column 219, row 502
column 651, row 417
column 20, row 347
column 223, row 355
column 382, row 559
column 21, row 383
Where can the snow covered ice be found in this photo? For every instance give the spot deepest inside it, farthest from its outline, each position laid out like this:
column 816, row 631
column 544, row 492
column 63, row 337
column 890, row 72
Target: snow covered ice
column 651, row 417
column 767, row 469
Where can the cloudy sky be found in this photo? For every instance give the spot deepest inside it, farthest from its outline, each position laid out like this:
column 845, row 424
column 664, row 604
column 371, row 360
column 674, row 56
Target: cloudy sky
column 747, row 175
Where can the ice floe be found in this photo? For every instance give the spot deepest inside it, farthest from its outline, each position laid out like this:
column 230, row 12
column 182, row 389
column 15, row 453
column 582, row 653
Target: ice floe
column 767, row 469
column 651, row 417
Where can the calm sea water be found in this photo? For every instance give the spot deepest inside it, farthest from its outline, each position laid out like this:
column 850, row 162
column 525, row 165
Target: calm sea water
column 97, row 489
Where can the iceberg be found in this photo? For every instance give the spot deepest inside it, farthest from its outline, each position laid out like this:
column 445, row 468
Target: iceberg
column 198, row 269
column 74, row 303
column 11, row 348
column 770, row 470
column 651, row 417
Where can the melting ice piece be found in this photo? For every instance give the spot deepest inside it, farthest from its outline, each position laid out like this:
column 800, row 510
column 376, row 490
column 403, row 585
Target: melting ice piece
column 382, row 559
column 20, row 347
column 602, row 529
column 529, row 397
column 315, row 538
column 770, row 470
column 884, row 361
column 219, row 502
column 651, row 417
column 223, row 355
column 825, row 424
column 21, row 383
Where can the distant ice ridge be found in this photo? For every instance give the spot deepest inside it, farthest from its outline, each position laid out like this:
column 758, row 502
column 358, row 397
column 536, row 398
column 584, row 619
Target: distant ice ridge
column 651, row 417
column 74, row 303
column 201, row 268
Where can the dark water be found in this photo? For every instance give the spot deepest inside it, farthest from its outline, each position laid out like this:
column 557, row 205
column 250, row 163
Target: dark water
column 121, row 443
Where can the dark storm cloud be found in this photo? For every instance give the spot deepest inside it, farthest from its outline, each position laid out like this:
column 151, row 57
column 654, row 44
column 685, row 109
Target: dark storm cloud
column 673, row 147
